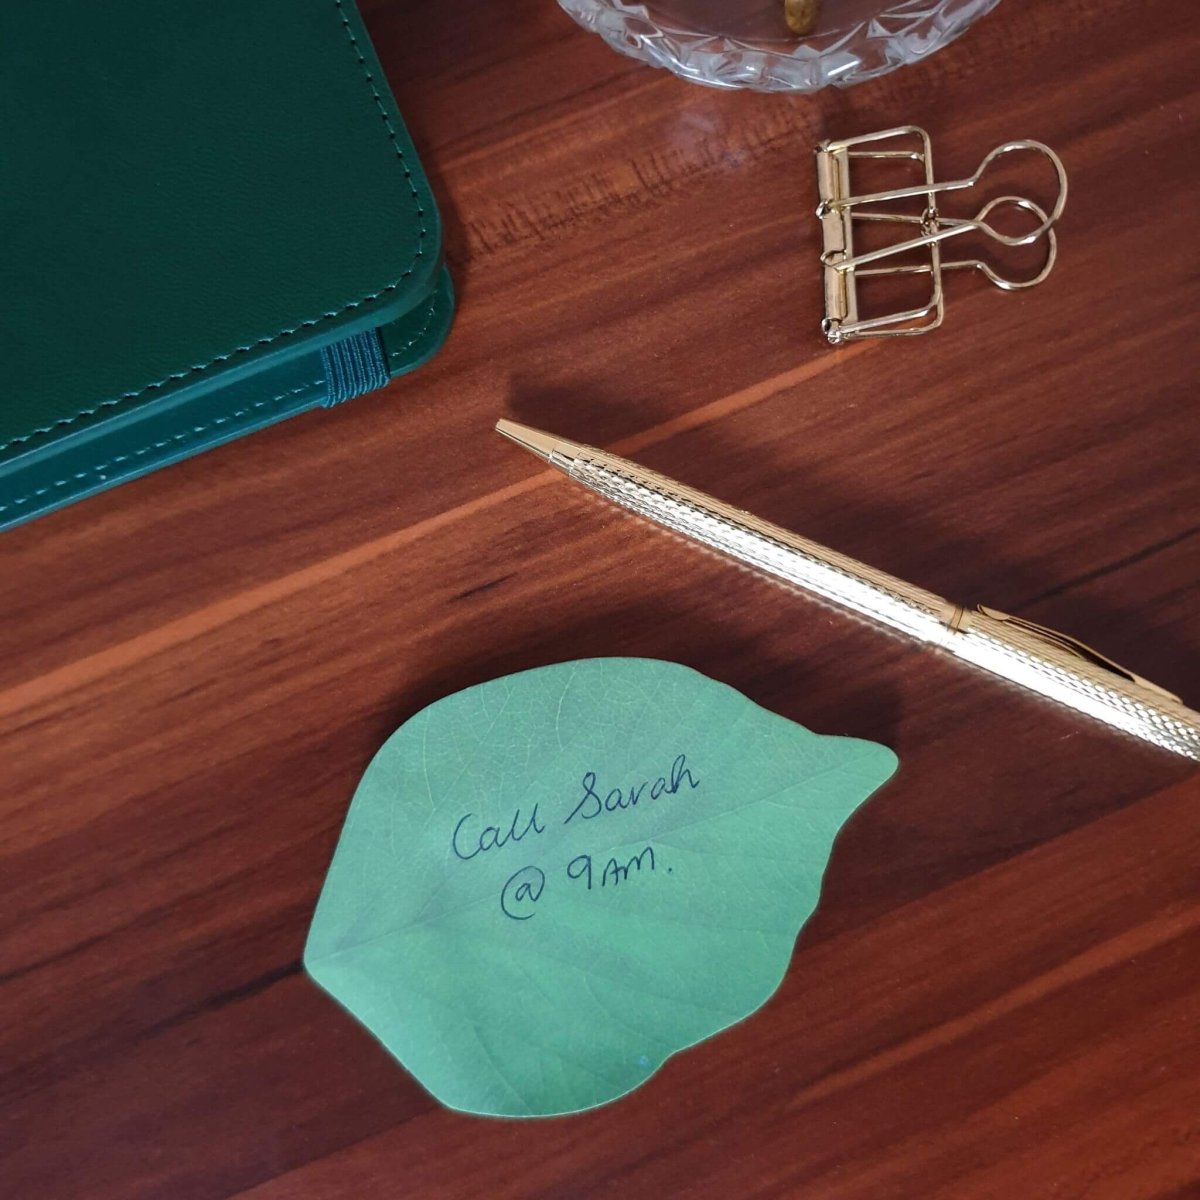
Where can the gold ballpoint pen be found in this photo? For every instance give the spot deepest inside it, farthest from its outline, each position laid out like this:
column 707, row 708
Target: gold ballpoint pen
column 1049, row 663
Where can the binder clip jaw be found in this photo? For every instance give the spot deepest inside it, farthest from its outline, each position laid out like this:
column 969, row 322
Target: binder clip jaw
column 840, row 208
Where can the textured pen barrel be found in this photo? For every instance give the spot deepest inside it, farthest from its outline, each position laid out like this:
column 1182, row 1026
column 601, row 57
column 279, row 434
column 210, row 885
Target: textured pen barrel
column 1023, row 658
column 994, row 645
column 772, row 549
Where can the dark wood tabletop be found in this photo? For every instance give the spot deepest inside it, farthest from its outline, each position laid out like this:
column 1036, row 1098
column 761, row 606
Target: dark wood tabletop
column 998, row 995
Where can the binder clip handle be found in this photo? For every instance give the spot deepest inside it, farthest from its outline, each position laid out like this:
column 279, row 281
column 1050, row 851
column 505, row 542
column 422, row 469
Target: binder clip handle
column 1048, row 220
column 985, row 268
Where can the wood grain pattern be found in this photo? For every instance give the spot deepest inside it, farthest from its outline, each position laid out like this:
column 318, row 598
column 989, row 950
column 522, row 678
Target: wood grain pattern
column 998, row 995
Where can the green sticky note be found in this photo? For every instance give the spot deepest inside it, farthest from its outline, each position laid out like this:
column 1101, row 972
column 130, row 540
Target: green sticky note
column 549, row 883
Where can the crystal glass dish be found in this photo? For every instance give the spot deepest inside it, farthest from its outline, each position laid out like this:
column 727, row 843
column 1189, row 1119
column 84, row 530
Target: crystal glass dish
column 746, row 43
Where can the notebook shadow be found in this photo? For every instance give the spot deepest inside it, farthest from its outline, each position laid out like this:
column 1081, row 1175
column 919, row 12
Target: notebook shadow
column 648, row 630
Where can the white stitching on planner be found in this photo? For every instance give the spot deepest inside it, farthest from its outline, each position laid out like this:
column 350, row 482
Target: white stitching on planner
column 91, row 472
column 265, row 341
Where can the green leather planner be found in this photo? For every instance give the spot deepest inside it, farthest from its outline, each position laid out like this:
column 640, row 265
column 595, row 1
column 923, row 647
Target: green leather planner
column 212, row 218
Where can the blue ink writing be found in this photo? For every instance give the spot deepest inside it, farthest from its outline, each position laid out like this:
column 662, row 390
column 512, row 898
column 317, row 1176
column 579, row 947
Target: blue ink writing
column 614, row 873
column 580, row 867
column 490, row 836
column 522, row 891
column 590, row 804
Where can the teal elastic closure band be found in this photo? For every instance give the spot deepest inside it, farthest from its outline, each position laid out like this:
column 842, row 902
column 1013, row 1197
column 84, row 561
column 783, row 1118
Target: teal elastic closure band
column 353, row 366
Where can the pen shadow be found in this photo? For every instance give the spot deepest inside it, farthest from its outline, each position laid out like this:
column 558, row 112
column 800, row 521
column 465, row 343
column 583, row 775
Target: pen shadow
column 836, row 506
column 647, row 630
column 1163, row 656
column 582, row 411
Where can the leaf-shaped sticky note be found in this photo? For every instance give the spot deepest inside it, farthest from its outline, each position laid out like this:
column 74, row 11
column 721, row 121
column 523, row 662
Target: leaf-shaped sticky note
column 549, row 883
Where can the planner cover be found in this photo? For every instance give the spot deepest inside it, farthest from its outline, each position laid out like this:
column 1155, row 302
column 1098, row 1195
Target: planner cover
column 213, row 218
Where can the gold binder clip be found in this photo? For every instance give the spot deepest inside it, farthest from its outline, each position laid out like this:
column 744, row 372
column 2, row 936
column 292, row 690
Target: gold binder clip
column 840, row 208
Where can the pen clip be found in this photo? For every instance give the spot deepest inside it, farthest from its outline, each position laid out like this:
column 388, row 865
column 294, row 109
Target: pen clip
column 1074, row 646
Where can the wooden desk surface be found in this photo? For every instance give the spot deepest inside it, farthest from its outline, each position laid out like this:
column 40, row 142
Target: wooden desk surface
column 999, row 994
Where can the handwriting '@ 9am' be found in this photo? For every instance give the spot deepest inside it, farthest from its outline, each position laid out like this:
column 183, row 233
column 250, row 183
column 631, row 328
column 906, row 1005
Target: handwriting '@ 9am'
column 524, row 887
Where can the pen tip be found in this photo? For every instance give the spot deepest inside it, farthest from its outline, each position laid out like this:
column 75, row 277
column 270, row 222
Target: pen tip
column 533, row 440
